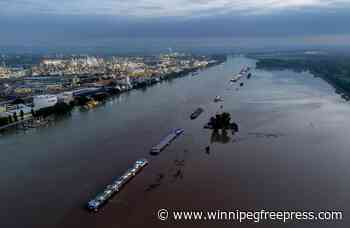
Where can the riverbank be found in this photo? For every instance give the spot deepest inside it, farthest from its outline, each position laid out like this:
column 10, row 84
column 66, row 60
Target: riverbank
column 333, row 69
column 93, row 100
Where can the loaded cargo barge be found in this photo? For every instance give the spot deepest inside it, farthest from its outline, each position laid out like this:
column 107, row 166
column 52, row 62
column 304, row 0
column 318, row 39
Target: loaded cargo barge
column 196, row 113
column 166, row 141
column 96, row 203
column 244, row 72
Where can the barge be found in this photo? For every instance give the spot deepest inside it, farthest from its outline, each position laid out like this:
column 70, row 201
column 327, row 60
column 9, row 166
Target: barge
column 196, row 113
column 218, row 99
column 245, row 71
column 237, row 78
column 96, row 203
column 166, row 141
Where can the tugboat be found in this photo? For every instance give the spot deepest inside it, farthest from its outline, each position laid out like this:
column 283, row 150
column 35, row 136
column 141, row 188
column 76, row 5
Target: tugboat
column 218, row 99
column 196, row 113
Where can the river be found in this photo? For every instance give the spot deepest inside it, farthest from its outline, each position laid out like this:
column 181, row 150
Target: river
column 291, row 153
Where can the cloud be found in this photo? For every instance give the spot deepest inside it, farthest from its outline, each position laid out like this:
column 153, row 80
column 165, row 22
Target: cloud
column 161, row 8
column 54, row 22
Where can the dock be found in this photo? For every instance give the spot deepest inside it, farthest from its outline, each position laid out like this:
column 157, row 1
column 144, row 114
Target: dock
column 16, row 124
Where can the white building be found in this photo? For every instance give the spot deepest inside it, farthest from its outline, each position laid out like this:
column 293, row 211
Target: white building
column 53, row 62
column 44, row 101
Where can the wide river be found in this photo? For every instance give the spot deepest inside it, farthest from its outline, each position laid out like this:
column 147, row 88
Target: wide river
column 291, row 153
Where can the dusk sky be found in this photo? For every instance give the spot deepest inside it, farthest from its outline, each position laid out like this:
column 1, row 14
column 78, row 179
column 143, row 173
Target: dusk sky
column 43, row 22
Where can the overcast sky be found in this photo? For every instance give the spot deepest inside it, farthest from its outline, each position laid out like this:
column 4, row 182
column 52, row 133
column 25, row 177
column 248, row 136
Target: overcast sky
column 60, row 22
column 161, row 8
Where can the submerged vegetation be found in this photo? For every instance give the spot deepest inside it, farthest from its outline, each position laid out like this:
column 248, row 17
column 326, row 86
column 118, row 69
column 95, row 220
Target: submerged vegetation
column 222, row 122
